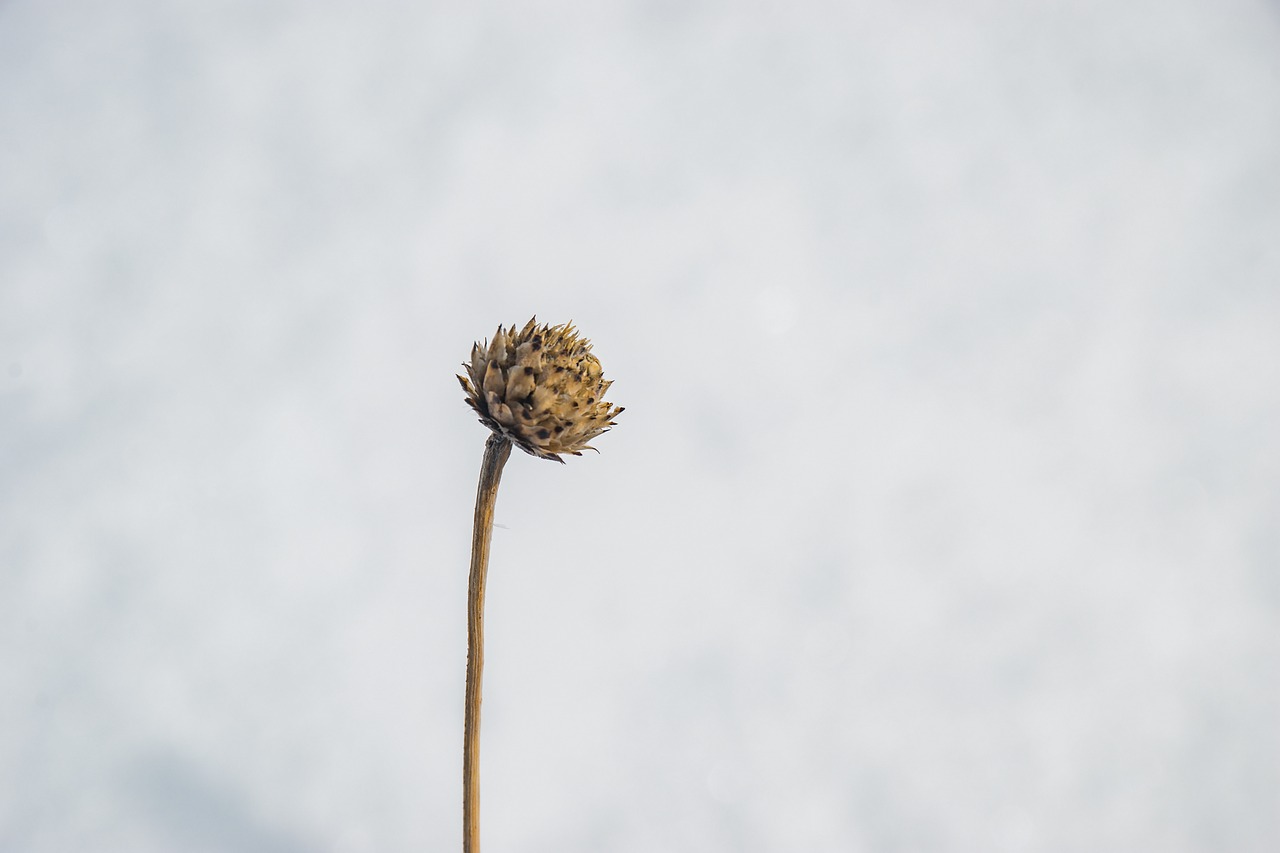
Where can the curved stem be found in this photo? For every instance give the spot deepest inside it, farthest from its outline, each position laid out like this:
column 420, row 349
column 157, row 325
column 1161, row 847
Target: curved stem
column 496, row 452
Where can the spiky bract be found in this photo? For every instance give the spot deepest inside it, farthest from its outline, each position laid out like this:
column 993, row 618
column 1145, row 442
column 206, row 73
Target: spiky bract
column 541, row 387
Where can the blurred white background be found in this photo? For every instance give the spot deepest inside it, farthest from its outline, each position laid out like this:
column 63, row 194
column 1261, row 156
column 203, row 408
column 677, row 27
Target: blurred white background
column 944, row 515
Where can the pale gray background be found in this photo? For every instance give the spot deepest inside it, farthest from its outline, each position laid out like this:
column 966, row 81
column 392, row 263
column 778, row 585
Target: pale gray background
column 943, row 515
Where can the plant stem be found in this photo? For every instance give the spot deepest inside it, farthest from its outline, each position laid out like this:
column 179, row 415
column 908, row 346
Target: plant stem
column 496, row 452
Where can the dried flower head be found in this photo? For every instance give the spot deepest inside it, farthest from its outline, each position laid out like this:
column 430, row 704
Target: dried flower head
column 541, row 387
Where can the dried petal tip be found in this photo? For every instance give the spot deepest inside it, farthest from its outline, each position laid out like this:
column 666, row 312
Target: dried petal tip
column 541, row 387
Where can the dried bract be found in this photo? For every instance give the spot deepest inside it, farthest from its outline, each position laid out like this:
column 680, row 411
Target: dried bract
column 541, row 387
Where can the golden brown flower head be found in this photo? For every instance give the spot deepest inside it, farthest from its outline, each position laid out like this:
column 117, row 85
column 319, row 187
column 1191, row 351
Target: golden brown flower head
column 541, row 387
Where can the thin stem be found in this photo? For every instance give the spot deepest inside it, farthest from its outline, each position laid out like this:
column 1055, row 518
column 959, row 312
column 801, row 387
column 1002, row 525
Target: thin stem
column 496, row 451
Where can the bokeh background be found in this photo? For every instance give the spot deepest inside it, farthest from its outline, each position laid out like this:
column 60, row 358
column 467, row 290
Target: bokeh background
column 944, row 515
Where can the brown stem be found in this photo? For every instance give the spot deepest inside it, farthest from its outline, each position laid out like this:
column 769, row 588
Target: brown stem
column 496, row 451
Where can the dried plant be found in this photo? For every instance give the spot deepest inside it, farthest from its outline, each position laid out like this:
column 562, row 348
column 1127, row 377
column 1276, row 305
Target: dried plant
column 542, row 390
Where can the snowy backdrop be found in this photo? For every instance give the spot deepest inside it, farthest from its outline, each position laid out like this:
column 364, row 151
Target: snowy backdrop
column 944, row 514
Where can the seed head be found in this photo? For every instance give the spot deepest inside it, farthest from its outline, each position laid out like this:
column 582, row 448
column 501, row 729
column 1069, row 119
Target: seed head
column 541, row 387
